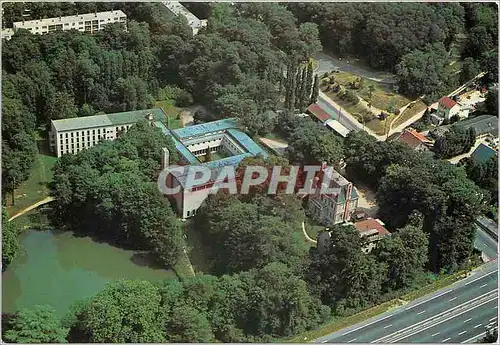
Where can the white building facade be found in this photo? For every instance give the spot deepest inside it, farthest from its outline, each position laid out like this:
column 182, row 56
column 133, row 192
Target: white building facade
column 90, row 23
column 178, row 9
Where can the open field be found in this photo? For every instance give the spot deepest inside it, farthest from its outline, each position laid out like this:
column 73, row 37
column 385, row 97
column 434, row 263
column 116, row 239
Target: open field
column 172, row 112
column 409, row 113
column 382, row 94
column 35, row 188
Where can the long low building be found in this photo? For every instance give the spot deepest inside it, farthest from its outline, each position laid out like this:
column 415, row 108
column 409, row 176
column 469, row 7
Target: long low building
column 89, row 22
column 179, row 10
column 79, row 133
column 227, row 144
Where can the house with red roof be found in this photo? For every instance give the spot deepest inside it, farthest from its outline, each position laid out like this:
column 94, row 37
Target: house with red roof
column 318, row 113
column 417, row 141
column 372, row 230
column 447, row 108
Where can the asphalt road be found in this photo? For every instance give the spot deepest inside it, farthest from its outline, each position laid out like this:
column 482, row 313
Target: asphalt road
column 342, row 118
column 468, row 305
column 328, row 63
column 486, row 243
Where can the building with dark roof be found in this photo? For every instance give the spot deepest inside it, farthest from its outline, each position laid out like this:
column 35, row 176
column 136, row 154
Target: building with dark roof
column 483, row 153
column 483, row 125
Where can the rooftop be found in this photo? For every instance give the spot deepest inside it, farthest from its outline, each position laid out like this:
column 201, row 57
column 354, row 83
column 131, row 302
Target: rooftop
column 177, row 8
column 483, row 153
column 412, row 138
column 318, row 112
column 482, row 124
column 70, row 19
column 205, row 128
column 337, row 127
column 368, row 225
column 447, row 102
column 106, row 120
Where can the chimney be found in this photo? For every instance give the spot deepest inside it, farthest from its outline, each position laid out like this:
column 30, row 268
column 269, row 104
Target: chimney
column 165, row 158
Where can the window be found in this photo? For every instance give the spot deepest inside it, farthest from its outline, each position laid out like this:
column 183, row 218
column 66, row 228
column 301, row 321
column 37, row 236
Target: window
column 73, row 24
column 188, row 213
column 72, row 134
column 67, row 24
column 80, row 23
column 66, row 135
column 60, row 136
column 44, row 27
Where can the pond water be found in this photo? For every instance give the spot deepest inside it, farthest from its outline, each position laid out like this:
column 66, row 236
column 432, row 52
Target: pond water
column 59, row 268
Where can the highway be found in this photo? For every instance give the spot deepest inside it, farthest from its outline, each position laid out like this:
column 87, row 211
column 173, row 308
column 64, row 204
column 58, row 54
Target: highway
column 454, row 314
column 485, row 243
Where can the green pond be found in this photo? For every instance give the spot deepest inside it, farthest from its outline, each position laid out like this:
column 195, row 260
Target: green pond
column 58, row 268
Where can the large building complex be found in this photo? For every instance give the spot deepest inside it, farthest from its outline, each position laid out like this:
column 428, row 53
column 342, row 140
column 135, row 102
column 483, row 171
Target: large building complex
column 331, row 209
column 90, row 23
column 178, row 9
column 228, row 146
column 225, row 141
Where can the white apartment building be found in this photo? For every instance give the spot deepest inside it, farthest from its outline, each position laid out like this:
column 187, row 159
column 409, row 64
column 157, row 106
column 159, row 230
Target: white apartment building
column 178, row 9
column 76, row 134
column 90, row 23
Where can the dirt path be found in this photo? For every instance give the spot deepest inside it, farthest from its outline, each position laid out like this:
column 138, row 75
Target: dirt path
column 306, row 235
column 31, row 207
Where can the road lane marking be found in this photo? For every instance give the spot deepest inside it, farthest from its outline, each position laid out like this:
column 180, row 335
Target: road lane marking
column 482, row 286
column 324, row 341
column 423, row 311
column 445, row 340
column 388, row 326
column 368, row 324
column 476, row 326
column 493, row 319
column 468, row 341
column 350, row 341
column 394, row 337
column 454, row 298
column 462, row 332
column 430, row 299
column 468, row 320
column 487, row 274
column 435, row 334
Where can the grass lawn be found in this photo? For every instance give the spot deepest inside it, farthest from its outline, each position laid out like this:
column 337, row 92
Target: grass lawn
column 35, row 188
column 409, row 112
column 360, row 112
column 313, row 229
column 172, row 112
column 382, row 94
column 275, row 136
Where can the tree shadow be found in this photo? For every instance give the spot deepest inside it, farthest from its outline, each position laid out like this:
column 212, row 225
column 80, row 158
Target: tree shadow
column 147, row 259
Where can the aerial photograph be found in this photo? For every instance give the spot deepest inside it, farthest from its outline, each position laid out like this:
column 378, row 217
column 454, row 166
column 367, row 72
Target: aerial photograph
column 249, row 172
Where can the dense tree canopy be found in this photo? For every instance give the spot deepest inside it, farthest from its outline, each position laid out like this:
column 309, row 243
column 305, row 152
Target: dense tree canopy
column 35, row 325
column 10, row 240
column 455, row 142
column 381, row 33
column 108, row 191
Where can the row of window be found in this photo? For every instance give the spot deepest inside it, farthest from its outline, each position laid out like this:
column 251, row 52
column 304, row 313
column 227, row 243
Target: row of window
column 94, row 23
column 191, row 213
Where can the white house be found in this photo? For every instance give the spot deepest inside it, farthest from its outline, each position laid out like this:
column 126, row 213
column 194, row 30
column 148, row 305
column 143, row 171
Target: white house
column 447, row 108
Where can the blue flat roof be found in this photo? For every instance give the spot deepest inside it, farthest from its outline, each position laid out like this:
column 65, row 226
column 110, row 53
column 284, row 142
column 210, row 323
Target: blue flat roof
column 247, row 142
column 179, row 146
column 482, row 153
column 205, row 128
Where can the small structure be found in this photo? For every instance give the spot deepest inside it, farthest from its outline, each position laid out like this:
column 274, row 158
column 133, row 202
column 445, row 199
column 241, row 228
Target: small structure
column 318, row 113
column 337, row 127
column 483, row 153
column 331, row 209
column 483, row 125
column 415, row 140
column 372, row 230
column 179, row 10
column 447, row 108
